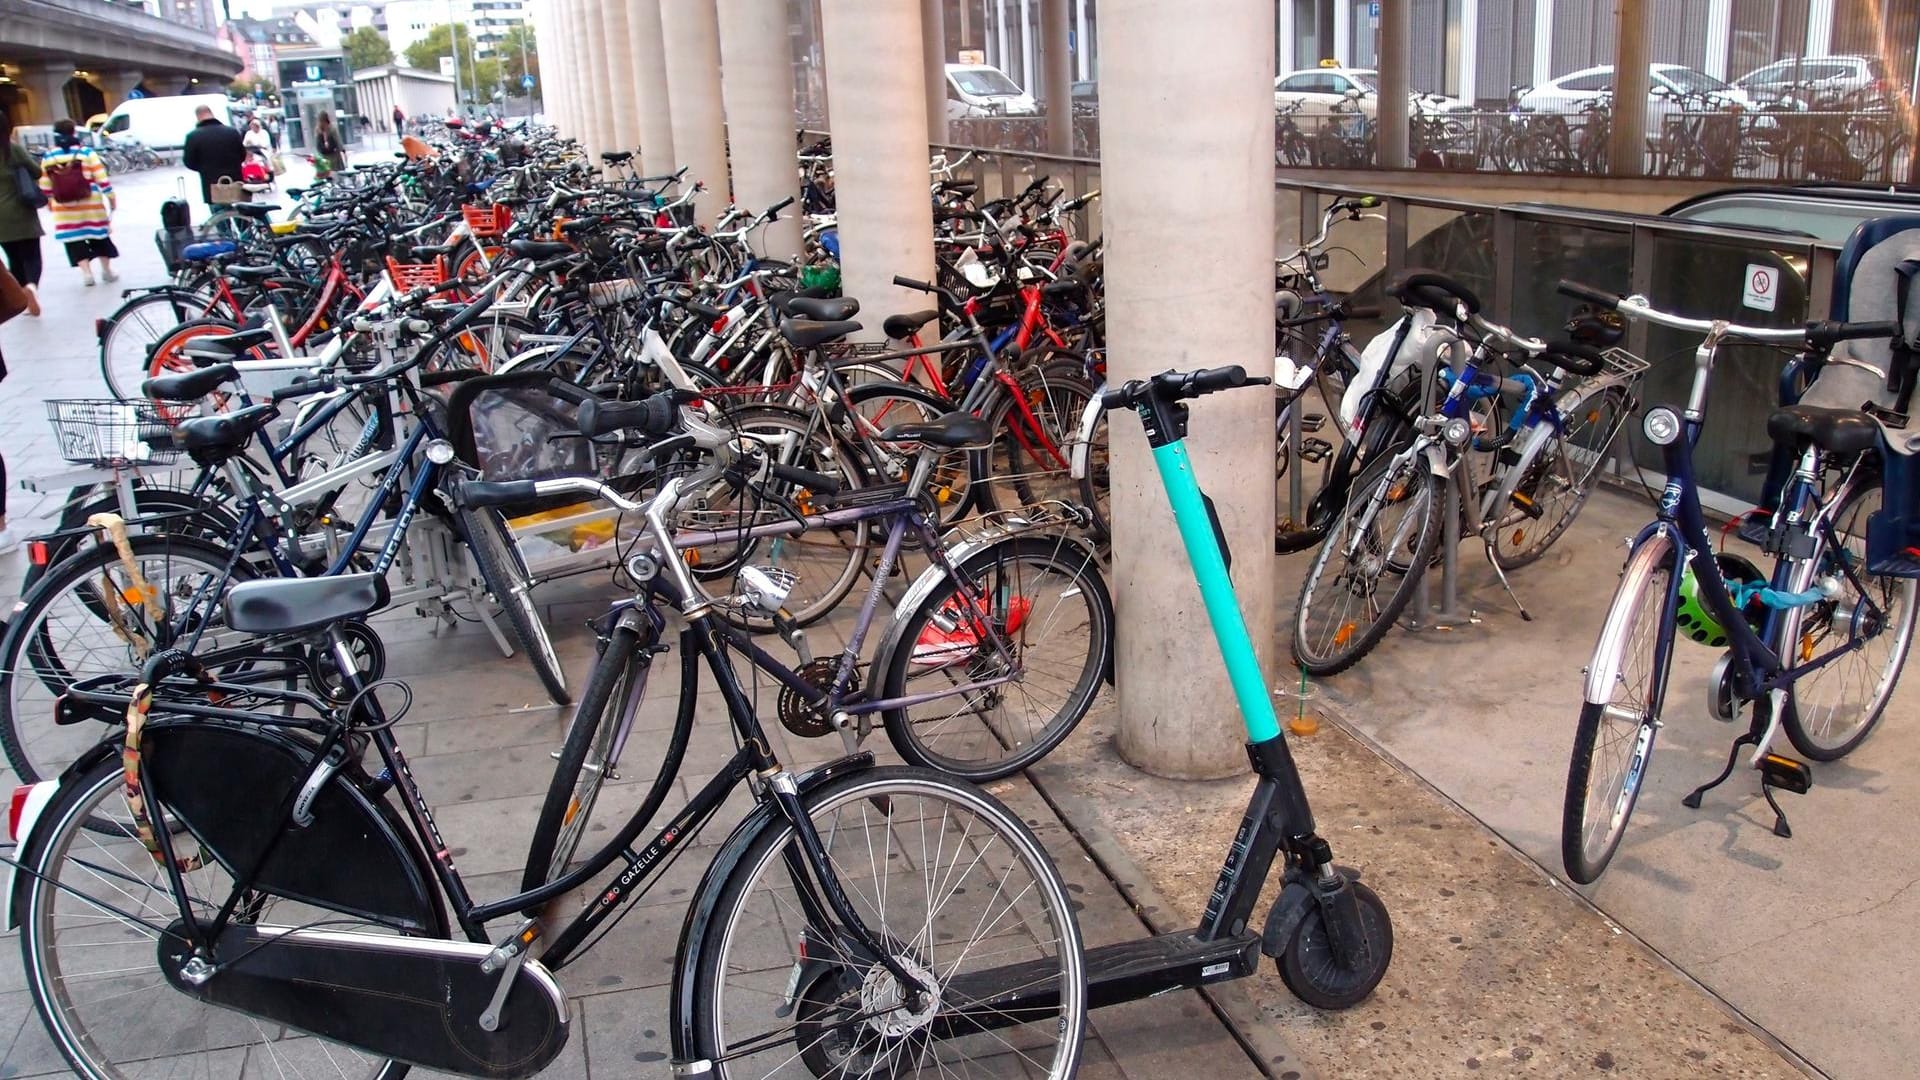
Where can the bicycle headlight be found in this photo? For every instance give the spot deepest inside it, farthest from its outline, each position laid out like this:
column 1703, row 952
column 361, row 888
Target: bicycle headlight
column 1457, row 431
column 440, row 452
column 1662, row 426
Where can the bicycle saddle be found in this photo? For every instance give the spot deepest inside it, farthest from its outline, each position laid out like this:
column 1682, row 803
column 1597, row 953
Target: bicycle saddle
column 806, row 333
column 901, row 327
column 433, row 251
column 1839, row 431
column 538, row 249
column 287, row 605
column 825, row 309
column 255, row 273
column 208, row 249
column 616, row 157
column 208, row 436
column 956, row 431
column 189, row 385
column 256, row 210
column 237, row 342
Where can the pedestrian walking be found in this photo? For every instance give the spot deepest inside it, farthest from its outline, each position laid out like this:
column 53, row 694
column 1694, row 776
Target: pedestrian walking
column 399, row 120
column 80, row 197
column 20, row 229
column 214, row 150
column 326, row 141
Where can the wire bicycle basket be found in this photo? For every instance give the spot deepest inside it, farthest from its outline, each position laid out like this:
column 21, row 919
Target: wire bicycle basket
column 109, row 433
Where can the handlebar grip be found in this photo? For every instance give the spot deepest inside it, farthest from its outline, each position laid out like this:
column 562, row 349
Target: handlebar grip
column 909, row 283
column 300, row 388
column 1826, row 333
column 1575, row 357
column 779, row 206
column 1208, row 380
column 655, row 415
column 1038, row 183
column 1368, row 312
column 1589, row 294
column 1119, row 397
column 569, row 392
column 1419, row 286
column 805, row 478
column 473, row 494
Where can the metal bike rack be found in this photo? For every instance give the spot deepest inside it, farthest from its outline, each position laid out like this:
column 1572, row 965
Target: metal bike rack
column 1449, row 615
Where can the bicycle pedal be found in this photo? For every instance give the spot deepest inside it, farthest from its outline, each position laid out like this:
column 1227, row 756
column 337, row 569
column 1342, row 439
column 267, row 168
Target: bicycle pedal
column 1312, row 421
column 1785, row 773
column 1315, row 451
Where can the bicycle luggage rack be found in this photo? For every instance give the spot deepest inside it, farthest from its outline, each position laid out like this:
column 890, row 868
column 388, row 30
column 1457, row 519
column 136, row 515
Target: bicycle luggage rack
column 1048, row 514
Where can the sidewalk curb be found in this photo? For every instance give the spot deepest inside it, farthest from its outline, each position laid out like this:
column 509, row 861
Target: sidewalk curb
column 1235, row 1010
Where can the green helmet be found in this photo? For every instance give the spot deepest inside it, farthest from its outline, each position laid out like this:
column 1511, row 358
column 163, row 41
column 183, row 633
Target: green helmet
column 1695, row 620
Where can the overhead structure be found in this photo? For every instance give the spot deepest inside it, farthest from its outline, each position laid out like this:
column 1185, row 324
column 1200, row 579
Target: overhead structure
column 690, row 32
column 756, row 59
column 876, row 94
column 1215, row 73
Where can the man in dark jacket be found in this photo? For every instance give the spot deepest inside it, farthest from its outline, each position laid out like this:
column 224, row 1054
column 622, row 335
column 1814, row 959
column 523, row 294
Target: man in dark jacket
column 213, row 150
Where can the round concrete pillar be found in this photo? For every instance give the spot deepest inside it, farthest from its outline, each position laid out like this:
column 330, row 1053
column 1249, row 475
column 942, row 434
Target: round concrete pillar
column 46, row 86
column 690, row 30
column 1189, row 213
column 876, row 105
column 600, row 76
column 757, row 62
column 1056, row 70
column 546, row 43
column 647, row 50
column 623, row 106
column 573, row 53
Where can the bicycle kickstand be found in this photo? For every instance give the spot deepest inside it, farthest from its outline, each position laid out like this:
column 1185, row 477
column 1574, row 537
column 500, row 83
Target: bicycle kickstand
column 1780, row 826
column 1692, row 801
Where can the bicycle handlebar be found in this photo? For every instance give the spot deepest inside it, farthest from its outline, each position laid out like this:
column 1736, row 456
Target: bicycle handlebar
column 1429, row 289
column 1819, row 334
column 1179, row 385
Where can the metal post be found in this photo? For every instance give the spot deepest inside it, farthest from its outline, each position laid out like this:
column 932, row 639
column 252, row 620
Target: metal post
column 1056, row 68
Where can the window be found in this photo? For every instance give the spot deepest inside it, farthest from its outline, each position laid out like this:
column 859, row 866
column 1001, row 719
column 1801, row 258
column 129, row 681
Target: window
column 1599, row 80
column 1298, row 84
column 985, row 82
column 1690, row 81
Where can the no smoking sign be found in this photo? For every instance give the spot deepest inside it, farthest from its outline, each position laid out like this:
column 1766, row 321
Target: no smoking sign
column 1762, row 287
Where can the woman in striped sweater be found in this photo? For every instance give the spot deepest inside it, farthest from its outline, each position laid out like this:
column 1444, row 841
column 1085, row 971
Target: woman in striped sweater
column 80, row 197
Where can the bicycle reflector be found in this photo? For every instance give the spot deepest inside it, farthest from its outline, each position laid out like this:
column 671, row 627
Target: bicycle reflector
column 1696, row 621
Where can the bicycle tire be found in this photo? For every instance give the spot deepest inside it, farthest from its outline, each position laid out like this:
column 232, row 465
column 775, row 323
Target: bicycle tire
column 30, row 658
column 567, row 809
column 1349, row 642
column 40, row 896
column 924, row 634
column 1554, row 465
column 128, row 336
column 506, row 578
column 1799, row 644
column 1646, row 589
column 1057, row 394
column 892, row 793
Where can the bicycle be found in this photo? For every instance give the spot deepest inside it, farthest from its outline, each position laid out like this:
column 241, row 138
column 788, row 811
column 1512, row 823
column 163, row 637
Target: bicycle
column 1825, row 605
column 267, row 878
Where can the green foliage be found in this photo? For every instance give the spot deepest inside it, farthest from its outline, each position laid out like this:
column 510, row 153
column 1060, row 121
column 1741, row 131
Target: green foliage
column 366, row 48
column 440, row 41
column 518, row 56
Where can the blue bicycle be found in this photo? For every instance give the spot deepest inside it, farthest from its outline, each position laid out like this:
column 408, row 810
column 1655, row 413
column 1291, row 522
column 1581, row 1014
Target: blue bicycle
column 1814, row 648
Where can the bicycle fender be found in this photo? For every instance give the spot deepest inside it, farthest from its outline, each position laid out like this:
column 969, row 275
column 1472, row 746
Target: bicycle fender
column 38, row 796
column 706, row 899
column 1537, row 438
column 1083, row 437
column 1653, row 546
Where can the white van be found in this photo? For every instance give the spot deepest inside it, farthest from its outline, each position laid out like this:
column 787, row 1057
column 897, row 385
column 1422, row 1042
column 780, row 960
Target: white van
column 980, row 90
column 162, row 123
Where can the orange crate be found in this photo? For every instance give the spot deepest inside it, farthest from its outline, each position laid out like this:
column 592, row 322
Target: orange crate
column 487, row 221
column 417, row 275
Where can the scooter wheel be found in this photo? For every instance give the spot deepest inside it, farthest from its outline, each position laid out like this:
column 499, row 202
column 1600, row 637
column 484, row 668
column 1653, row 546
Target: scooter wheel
column 1309, row 968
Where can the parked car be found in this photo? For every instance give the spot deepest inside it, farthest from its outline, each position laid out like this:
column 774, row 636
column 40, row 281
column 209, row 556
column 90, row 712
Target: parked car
column 1670, row 87
column 982, row 90
column 1823, row 81
column 1324, row 90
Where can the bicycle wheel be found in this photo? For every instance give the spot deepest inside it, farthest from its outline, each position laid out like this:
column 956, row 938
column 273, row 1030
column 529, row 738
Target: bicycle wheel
column 1540, row 504
column 129, row 334
column 1614, row 739
column 1043, row 597
column 498, row 561
column 1039, row 452
column 1384, row 539
column 87, row 618
column 93, row 906
column 878, row 406
column 1096, row 487
column 1833, row 709
column 958, row 893
column 587, row 759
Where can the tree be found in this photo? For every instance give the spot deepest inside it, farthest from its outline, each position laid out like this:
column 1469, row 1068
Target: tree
column 366, row 48
column 518, row 57
column 438, row 42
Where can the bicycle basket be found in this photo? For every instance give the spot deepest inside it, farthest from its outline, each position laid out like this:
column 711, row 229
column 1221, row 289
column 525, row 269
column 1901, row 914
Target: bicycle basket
column 407, row 276
column 487, row 222
column 108, row 433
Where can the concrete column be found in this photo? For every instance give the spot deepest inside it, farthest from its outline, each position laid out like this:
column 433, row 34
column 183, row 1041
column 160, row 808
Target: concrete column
column 690, row 30
column 1468, row 70
column 1216, row 74
column 1342, row 30
column 622, row 87
column 876, row 94
column 933, row 41
column 573, row 52
column 1819, row 27
column 1626, row 155
column 116, row 85
column 1395, row 83
column 757, row 61
column 1085, row 52
column 1719, row 37
column 647, row 53
column 552, row 89
column 599, row 70
column 1056, row 69
column 1542, row 41
column 46, row 86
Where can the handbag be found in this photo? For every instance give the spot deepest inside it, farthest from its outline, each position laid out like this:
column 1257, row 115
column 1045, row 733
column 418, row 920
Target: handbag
column 25, row 182
column 13, row 296
column 279, row 166
column 224, row 192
